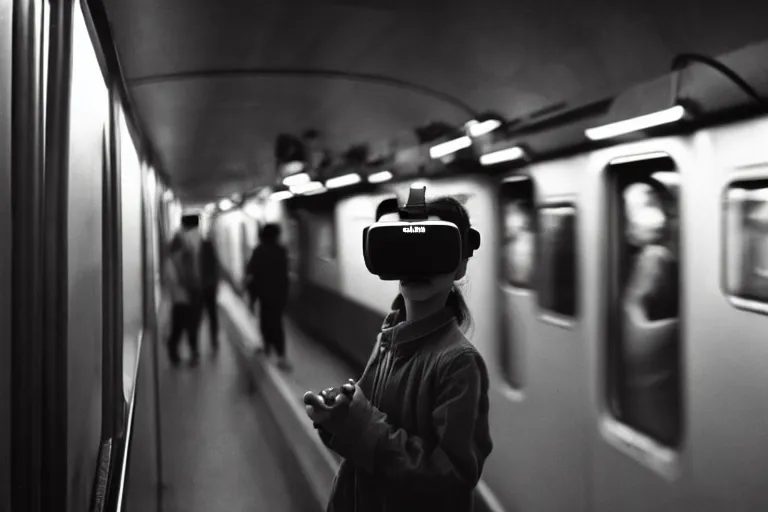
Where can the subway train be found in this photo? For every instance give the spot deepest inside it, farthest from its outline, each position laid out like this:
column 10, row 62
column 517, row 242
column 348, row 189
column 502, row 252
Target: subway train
column 619, row 298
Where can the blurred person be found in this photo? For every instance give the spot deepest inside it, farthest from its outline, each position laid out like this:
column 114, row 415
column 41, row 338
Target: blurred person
column 413, row 431
column 186, row 291
column 519, row 243
column 211, row 273
column 267, row 282
column 651, row 310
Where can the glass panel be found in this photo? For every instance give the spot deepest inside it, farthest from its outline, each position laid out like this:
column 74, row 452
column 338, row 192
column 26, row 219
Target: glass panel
column 746, row 240
column 132, row 243
column 518, row 233
column 645, row 350
column 516, row 259
column 557, row 268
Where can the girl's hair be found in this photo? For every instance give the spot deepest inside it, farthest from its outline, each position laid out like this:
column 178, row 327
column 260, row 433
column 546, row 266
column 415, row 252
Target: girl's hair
column 451, row 210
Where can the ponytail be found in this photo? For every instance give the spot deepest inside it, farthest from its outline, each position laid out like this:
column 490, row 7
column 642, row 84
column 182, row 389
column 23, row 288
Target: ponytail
column 460, row 308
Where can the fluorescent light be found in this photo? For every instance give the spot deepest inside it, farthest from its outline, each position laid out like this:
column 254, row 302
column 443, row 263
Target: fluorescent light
column 638, row 158
column 452, row 146
column 293, row 167
column 607, row 131
column 225, row 204
column 343, row 181
column 379, row 177
column 477, row 128
column 210, row 207
column 503, row 155
column 315, row 191
column 307, row 187
column 296, row 179
column 279, row 196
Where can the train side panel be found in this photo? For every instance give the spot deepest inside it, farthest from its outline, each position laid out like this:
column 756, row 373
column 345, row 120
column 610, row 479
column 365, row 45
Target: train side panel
column 90, row 113
column 539, row 416
column 728, row 345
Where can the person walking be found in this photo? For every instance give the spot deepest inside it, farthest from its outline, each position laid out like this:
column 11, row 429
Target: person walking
column 267, row 282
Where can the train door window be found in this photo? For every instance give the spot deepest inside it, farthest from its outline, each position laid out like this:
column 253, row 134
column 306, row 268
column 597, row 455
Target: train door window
column 517, row 224
column 644, row 341
column 746, row 242
column 557, row 264
column 518, row 232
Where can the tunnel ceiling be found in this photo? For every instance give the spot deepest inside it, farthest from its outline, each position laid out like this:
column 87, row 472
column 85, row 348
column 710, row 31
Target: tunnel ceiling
column 215, row 133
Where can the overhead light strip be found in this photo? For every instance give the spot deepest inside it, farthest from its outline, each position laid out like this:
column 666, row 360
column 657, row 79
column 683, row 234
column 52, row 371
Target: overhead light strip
column 296, row 179
column 307, row 187
column 343, row 181
column 670, row 115
column 379, row 177
column 279, row 196
column 447, row 148
column 503, row 155
column 478, row 129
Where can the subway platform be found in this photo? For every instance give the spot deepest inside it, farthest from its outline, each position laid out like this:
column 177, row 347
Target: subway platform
column 234, row 433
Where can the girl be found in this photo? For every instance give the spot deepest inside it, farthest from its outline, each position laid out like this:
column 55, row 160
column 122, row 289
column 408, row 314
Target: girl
column 414, row 429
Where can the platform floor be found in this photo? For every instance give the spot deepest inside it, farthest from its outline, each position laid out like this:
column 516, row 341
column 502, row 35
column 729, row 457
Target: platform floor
column 314, row 367
column 222, row 450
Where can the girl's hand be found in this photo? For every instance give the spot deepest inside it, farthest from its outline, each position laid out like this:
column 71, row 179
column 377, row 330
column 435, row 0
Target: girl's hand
column 318, row 411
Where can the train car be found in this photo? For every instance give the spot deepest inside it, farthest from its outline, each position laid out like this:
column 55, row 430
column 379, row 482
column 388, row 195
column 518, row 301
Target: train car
column 84, row 215
column 618, row 297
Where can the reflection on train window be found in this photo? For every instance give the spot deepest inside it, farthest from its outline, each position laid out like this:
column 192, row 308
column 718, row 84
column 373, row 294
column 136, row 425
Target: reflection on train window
column 518, row 232
column 326, row 238
column 557, row 264
column 746, row 243
column 644, row 347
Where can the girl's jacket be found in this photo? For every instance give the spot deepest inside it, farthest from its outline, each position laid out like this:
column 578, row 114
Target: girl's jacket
column 415, row 436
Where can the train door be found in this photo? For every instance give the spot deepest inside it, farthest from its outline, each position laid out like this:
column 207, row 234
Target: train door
column 728, row 324
column 544, row 399
column 636, row 277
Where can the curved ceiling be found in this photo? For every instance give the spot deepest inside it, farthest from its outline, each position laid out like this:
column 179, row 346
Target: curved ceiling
column 215, row 131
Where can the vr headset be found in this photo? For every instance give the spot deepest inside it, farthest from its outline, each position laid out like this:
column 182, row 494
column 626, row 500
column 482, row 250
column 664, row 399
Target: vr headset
column 415, row 247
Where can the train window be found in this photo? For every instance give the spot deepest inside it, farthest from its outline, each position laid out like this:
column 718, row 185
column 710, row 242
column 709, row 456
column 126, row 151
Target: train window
column 557, row 263
column 518, row 232
column 132, row 253
column 746, row 240
column 644, row 340
column 517, row 221
column 326, row 238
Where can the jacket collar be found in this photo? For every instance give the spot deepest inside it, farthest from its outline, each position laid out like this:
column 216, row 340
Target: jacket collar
column 394, row 329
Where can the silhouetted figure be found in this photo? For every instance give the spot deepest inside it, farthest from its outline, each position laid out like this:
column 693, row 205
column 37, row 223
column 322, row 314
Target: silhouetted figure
column 267, row 283
column 184, row 280
column 210, row 273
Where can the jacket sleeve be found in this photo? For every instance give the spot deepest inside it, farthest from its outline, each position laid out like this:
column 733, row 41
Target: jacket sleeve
column 367, row 439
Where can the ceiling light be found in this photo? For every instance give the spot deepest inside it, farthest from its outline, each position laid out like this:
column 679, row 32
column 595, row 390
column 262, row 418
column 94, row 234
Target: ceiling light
column 379, row 177
column 307, row 187
column 279, row 196
column 447, row 148
column 225, row 204
column 479, row 128
column 670, row 115
column 296, row 179
column 343, row 181
column 503, row 155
